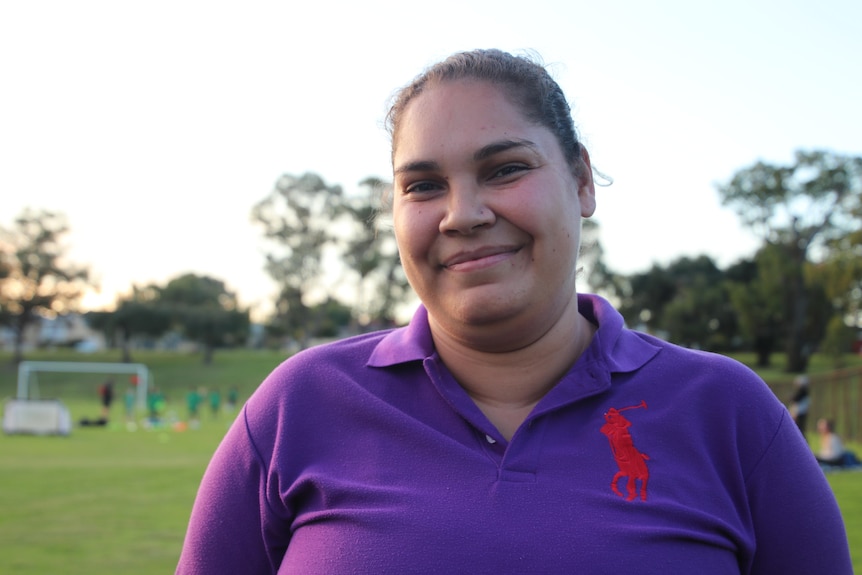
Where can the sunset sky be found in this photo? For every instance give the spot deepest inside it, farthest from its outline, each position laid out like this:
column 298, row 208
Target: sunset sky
column 156, row 126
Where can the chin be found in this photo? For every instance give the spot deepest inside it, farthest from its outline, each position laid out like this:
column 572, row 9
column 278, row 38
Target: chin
column 485, row 310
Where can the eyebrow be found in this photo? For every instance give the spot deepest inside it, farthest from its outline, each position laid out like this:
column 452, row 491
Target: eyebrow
column 501, row 146
column 482, row 153
column 417, row 166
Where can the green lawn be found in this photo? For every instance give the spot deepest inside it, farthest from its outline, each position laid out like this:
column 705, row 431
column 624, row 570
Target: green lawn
column 111, row 500
column 102, row 500
column 847, row 486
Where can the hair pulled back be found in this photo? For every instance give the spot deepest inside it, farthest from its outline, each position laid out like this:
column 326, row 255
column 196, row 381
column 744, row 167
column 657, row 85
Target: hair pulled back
column 526, row 82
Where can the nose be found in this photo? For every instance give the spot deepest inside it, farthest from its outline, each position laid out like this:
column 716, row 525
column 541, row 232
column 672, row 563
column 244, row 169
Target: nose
column 466, row 210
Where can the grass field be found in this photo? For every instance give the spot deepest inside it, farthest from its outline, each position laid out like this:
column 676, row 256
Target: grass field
column 100, row 500
column 109, row 500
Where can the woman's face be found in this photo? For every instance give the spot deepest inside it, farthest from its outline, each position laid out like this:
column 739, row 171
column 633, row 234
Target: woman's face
column 486, row 209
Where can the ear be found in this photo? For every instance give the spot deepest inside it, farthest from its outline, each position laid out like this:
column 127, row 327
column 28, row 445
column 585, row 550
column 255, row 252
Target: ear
column 586, row 186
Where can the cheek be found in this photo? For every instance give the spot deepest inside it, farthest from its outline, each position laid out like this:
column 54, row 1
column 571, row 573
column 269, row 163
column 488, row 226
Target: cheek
column 409, row 231
column 399, row 222
column 412, row 250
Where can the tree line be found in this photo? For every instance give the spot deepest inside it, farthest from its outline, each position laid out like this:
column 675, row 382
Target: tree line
column 334, row 261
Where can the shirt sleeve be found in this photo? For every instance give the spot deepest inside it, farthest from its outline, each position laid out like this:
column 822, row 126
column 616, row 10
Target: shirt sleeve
column 231, row 526
column 797, row 523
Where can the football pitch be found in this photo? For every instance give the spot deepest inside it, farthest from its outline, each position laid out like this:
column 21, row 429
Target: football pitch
column 116, row 499
column 101, row 500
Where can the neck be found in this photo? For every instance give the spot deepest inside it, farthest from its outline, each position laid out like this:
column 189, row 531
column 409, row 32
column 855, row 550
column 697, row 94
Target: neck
column 507, row 385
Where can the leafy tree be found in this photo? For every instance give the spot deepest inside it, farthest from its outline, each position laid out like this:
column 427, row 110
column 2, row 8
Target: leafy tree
column 801, row 208
column 204, row 310
column 842, row 277
column 5, row 272
column 336, row 318
column 370, row 252
column 838, row 341
column 297, row 220
column 701, row 315
column 138, row 314
column 645, row 295
column 840, row 274
column 763, row 305
column 760, row 313
column 198, row 307
column 596, row 274
column 35, row 277
column 685, row 301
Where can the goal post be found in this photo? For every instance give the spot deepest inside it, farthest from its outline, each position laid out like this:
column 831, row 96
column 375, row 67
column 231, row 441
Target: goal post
column 28, row 369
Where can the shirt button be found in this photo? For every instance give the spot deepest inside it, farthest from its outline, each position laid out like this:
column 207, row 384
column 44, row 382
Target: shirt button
column 490, row 439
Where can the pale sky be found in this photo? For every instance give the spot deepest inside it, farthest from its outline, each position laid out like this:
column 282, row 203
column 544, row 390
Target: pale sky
column 156, row 126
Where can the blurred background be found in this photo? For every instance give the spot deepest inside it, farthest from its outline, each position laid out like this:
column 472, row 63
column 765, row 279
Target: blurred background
column 167, row 147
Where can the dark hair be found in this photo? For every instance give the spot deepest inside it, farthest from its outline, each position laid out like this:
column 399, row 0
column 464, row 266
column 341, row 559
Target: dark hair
column 525, row 81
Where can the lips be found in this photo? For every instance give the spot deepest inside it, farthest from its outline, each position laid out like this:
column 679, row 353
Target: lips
column 479, row 257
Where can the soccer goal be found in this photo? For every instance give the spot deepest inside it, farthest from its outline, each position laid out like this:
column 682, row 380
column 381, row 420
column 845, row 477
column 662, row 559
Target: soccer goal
column 28, row 375
column 36, row 417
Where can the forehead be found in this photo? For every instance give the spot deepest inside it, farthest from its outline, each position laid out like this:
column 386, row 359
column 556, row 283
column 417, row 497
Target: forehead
column 459, row 111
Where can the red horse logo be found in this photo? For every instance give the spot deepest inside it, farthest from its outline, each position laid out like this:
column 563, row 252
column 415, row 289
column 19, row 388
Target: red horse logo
column 632, row 463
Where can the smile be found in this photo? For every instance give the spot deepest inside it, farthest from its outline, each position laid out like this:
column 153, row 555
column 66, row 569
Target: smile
column 479, row 259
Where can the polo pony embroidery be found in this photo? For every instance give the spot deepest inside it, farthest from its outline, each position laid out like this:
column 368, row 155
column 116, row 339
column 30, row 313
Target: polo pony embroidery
column 632, row 463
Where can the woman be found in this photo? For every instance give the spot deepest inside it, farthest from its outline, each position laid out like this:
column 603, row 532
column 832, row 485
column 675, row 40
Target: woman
column 514, row 426
column 832, row 452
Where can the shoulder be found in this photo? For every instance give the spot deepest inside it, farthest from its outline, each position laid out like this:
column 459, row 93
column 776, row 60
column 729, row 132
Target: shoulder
column 714, row 366
column 702, row 377
column 325, row 383
column 321, row 366
column 723, row 398
column 625, row 350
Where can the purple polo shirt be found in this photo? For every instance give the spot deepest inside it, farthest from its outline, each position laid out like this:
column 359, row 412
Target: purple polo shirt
column 365, row 456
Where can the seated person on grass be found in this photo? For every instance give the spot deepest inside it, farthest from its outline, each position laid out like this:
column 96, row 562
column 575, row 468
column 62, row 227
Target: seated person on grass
column 832, row 452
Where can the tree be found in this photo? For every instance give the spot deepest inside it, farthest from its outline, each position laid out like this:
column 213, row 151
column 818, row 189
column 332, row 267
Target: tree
column 35, row 277
column 842, row 277
column 297, row 219
column 644, row 297
column 685, row 301
column 198, row 307
column 204, row 310
column 370, row 252
column 336, row 318
column 801, row 208
column 137, row 314
column 596, row 274
column 840, row 274
column 5, row 272
column 752, row 288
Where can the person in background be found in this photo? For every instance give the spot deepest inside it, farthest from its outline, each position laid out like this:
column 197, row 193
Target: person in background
column 832, row 452
column 156, row 404
column 129, row 400
column 106, row 397
column 515, row 425
column 215, row 402
column 193, row 401
column 232, row 399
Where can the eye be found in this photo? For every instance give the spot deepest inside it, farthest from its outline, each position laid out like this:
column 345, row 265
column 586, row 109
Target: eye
column 423, row 187
column 509, row 169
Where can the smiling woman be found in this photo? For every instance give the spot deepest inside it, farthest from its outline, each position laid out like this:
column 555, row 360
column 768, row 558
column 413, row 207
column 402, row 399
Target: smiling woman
column 514, row 426
column 487, row 213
